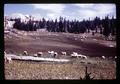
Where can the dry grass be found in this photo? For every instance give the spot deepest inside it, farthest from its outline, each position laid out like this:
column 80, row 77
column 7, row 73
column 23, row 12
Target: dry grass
column 100, row 69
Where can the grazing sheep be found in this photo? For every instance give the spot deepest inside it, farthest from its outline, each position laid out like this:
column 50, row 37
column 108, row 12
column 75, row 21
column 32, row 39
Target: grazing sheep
column 25, row 53
column 39, row 54
column 95, row 39
column 83, row 36
column 55, row 54
column 8, row 59
column 35, row 55
column 64, row 53
column 74, row 54
column 4, row 53
column 111, row 45
column 82, row 39
column 85, row 57
column 82, row 56
column 103, row 57
column 79, row 55
column 51, row 53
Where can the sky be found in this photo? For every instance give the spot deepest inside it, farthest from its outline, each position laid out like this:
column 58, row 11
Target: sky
column 54, row 11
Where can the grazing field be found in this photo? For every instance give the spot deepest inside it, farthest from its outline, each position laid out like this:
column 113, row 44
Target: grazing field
column 93, row 47
column 99, row 69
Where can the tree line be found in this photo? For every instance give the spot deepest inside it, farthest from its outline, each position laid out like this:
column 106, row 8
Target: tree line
column 106, row 26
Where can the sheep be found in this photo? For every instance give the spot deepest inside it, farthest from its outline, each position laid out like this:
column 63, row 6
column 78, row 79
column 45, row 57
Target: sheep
column 115, row 58
column 35, row 55
column 4, row 53
column 95, row 39
column 82, row 56
column 51, row 53
column 83, row 36
column 8, row 59
column 78, row 55
column 25, row 53
column 74, row 54
column 39, row 54
column 55, row 54
column 111, row 45
column 103, row 57
column 82, row 39
column 85, row 57
column 64, row 53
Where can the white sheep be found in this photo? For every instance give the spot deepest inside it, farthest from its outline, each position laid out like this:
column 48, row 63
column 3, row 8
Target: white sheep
column 74, row 54
column 55, row 54
column 83, row 36
column 39, row 54
column 4, row 53
column 64, row 53
column 35, row 55
column 83, row 56
column 78, row 55
column 111, row 45
column 103, row 57
column 25, row 53
column 8, row 59
column 115, row 57
column 82, row 39
column 51, row 53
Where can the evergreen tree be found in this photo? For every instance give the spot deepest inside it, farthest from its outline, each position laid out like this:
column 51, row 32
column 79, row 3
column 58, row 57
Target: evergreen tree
column 106, row 25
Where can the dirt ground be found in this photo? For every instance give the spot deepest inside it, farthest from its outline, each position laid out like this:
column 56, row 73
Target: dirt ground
column 93, row 46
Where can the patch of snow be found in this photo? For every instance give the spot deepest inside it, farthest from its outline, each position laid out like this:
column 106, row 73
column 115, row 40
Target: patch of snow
column 36, row 58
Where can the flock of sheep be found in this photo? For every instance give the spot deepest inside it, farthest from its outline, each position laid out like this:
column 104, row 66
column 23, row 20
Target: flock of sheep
column 52, row 54
column 55, row 54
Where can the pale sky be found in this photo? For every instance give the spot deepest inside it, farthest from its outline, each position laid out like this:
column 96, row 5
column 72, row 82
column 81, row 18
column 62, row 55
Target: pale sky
column 53, row 11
